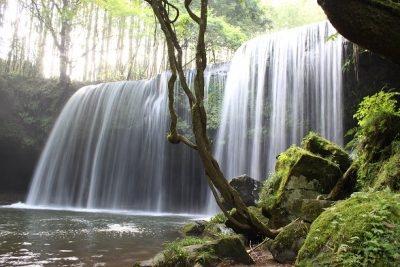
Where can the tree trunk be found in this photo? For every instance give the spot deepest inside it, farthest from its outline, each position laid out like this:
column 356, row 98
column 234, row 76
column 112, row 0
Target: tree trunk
column 216, row 179
column 64, row 52
column 87, row 43
column 372, row 24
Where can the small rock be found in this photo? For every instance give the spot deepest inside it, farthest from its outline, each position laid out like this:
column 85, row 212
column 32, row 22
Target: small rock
column 194, row 229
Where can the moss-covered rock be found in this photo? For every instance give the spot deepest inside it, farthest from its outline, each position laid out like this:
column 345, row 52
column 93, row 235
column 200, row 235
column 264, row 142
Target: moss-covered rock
column 363, row 230
column 287, row 244
column 299, row 174
column 194, row 229
column 389, row 175
column 326, row 149
column 190, row 251
column 310, row 209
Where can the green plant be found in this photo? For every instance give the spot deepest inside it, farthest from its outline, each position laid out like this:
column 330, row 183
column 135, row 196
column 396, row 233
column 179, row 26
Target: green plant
column 375, row 138
column 381, row 102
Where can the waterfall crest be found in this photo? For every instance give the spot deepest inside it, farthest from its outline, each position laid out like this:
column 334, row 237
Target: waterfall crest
column 279, row 87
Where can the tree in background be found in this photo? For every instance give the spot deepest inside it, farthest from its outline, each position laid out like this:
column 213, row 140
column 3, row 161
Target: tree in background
column 60, row 27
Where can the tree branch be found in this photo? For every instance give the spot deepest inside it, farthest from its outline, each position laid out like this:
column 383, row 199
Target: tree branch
column 190, row 12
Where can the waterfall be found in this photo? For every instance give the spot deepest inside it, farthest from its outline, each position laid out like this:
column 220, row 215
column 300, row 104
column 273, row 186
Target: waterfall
column 108, row 150
column 108, row 147
column 279, row 87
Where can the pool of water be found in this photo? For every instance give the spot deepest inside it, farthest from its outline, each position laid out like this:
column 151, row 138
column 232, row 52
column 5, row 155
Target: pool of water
column 40, row 237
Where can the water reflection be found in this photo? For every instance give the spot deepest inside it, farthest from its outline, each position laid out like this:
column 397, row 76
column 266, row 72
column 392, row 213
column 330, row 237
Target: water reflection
column 49, row 237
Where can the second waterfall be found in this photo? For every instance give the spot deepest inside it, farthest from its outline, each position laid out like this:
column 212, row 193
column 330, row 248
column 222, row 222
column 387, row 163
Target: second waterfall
column 280, row 87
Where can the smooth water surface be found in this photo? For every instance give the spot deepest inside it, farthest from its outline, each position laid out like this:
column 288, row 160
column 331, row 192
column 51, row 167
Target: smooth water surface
column 66, row 238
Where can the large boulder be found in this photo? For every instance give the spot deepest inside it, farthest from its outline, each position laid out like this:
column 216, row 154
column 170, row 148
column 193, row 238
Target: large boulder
column 286, row 245
column 363, row 230
column 248, row 189
column 299, row 175
column 328, row 150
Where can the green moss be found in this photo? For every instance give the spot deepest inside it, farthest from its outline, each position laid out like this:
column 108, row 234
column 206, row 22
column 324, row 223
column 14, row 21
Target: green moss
column 389, row 174
column 326, row 149
column 205, row 251
column 286, row 245
column 363, row 230
column 194, row 229
column 174, row 253
column 274, row 185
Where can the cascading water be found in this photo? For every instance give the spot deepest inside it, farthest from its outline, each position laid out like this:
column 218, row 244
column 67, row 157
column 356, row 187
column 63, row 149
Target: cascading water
column 279, row 87
column 108, row 150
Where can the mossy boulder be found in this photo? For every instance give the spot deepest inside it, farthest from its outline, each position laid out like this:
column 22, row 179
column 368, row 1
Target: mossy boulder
column 328, row 150
column 286, row 245
column 363, row 230
column 389, row 175
column 310, row 209
column 299, row 174
column 205, row 252
column 248, row 189
column 194, row 229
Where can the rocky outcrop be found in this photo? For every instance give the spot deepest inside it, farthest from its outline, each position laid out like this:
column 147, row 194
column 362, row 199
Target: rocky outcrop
column 300, row 177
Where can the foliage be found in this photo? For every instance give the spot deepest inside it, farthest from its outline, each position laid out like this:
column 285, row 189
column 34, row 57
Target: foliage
column 381, row 102
column 376, row 138
column 287, row 14
column 218, row 218
column 361, row 231
column 28, row 109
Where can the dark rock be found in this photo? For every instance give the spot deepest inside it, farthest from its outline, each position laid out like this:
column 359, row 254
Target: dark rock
column 286, row 245
column 248, row 188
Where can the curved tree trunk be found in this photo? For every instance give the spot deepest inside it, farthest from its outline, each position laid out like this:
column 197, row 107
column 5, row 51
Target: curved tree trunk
column 216, row 179
column 372, row 24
